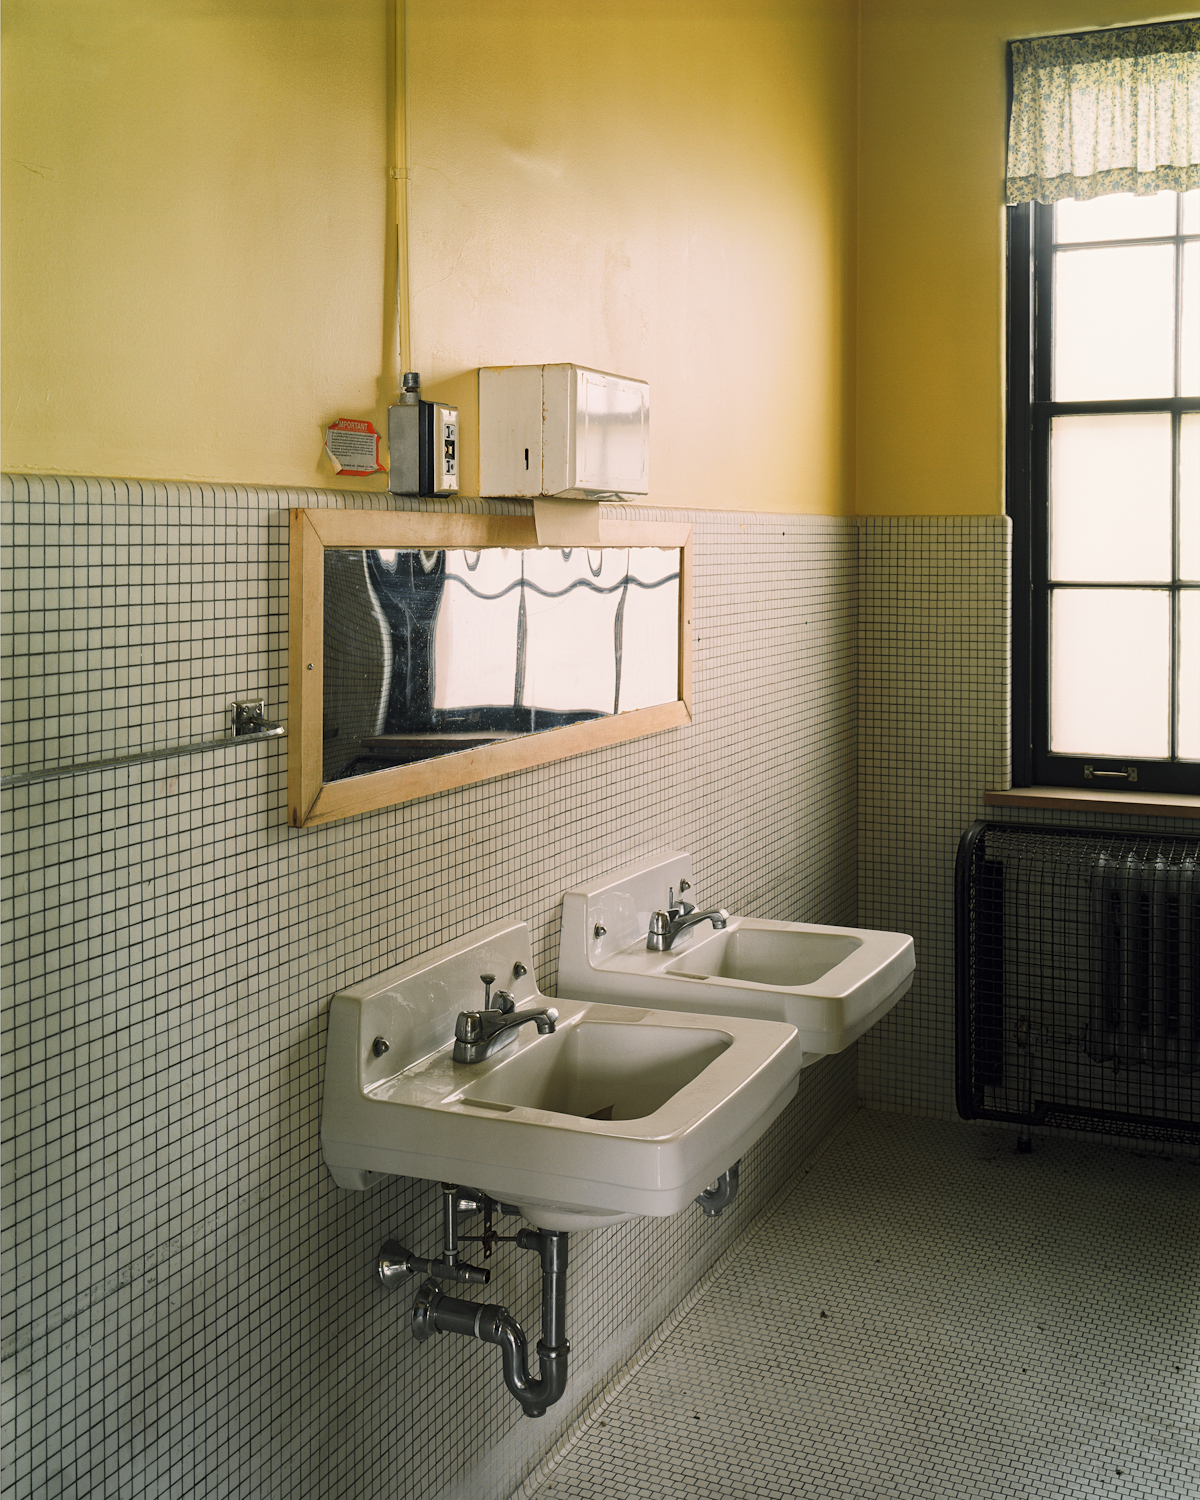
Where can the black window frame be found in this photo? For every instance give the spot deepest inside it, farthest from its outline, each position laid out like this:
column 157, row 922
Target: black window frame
column 1030, row 409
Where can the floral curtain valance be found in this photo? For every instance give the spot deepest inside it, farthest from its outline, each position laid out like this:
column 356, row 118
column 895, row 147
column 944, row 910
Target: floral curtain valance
column 1113, row 112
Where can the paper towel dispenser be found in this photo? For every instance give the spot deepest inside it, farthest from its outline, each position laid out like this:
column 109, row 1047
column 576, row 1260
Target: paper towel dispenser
column 564, row 431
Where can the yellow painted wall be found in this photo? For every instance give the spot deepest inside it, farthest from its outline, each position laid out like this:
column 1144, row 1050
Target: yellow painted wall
column 661, row 188
column 931, row 243
column 197, row 228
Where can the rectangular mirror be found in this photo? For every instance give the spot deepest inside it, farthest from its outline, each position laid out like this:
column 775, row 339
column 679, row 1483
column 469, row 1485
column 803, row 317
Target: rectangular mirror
column 428, row 651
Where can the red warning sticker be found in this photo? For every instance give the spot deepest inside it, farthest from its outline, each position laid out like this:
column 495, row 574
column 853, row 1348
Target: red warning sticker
column 353, row 447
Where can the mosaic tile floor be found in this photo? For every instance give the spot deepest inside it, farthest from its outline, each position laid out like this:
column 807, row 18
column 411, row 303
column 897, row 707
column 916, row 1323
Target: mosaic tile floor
column 929, row 1314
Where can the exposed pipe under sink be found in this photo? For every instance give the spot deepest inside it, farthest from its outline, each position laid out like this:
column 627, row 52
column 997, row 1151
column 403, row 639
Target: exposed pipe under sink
column 715, row 1199
column 434, row 1311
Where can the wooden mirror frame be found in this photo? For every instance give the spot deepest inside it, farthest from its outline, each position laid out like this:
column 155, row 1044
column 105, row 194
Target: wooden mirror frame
column 312, row 800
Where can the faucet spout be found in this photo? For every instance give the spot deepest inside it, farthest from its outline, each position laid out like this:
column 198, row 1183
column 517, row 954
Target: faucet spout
column 665, row 926
column 480, row 1033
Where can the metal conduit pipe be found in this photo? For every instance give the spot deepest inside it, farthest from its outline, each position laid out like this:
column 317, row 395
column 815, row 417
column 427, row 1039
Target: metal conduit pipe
column 722, row 1193
column 435, row 1312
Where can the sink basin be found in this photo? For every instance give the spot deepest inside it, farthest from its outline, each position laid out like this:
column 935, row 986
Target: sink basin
column 785, row 957
column 620, row 1111
column 831, row 983
column 596, row 1070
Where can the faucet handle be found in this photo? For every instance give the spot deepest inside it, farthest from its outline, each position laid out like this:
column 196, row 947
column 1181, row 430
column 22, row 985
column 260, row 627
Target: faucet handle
column 468, row 1027
column 503, row 1001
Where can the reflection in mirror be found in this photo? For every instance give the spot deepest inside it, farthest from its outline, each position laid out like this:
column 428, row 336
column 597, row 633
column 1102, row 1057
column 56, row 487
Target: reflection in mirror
column 432, row 651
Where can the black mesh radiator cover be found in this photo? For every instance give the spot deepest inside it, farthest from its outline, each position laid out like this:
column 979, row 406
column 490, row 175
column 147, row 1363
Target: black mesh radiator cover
column 1077, row 979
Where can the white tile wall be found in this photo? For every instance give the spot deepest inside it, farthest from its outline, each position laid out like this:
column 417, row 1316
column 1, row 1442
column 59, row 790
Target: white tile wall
column 934, row 693
column 189, row 1303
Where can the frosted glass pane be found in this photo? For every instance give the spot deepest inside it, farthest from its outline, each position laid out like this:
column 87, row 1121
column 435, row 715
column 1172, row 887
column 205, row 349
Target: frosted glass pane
column 1114, row 317
column 650, row 565
column 1189, row 358
column 570, row 659
column 1191, row 212
column 651, row 613
column 1110, row 498
column 649, row 677
column 1118, row 216
column 475, row 644
column 1109, row 671
column 571, row 600
column 1189, row 675
column 1189, row 497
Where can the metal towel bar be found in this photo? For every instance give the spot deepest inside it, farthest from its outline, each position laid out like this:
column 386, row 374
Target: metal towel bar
column 248, row 727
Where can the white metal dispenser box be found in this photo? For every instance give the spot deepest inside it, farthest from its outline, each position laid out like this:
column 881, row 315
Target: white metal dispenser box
column 562, row 430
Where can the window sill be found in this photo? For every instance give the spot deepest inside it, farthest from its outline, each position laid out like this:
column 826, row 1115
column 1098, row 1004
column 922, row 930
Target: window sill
column 1148, row 804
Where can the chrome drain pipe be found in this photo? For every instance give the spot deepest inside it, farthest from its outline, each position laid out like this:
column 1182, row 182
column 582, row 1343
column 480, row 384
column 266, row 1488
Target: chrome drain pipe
column 722, row 1193
column 436, row 1312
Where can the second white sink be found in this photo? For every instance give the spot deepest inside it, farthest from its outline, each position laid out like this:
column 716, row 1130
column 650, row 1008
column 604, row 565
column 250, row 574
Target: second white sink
column 831, row 983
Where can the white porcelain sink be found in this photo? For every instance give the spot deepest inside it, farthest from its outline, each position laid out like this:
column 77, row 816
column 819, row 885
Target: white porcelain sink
column 620, row 1111
column 831, row 983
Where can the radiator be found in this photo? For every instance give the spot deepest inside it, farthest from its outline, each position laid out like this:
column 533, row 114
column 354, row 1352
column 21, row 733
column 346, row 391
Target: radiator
column 1077, row 977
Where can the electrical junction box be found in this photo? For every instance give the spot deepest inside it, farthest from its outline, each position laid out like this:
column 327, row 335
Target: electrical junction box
column 422, row 444
column 564, row 431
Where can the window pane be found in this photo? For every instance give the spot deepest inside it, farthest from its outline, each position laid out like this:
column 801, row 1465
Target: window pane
column 1191, row 212
column 1110, row 498
column 1114, row 317
column 1189, row 674
column 1109, row 671
column 1189, row 497
column 1117, row 216
column 1189, row 358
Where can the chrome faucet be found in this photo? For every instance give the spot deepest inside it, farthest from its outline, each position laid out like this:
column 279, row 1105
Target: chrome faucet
column 665, row 926
column 480, row 1033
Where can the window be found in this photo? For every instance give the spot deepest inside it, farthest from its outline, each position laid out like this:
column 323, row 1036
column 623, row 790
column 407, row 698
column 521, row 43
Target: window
column 1104, row 490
